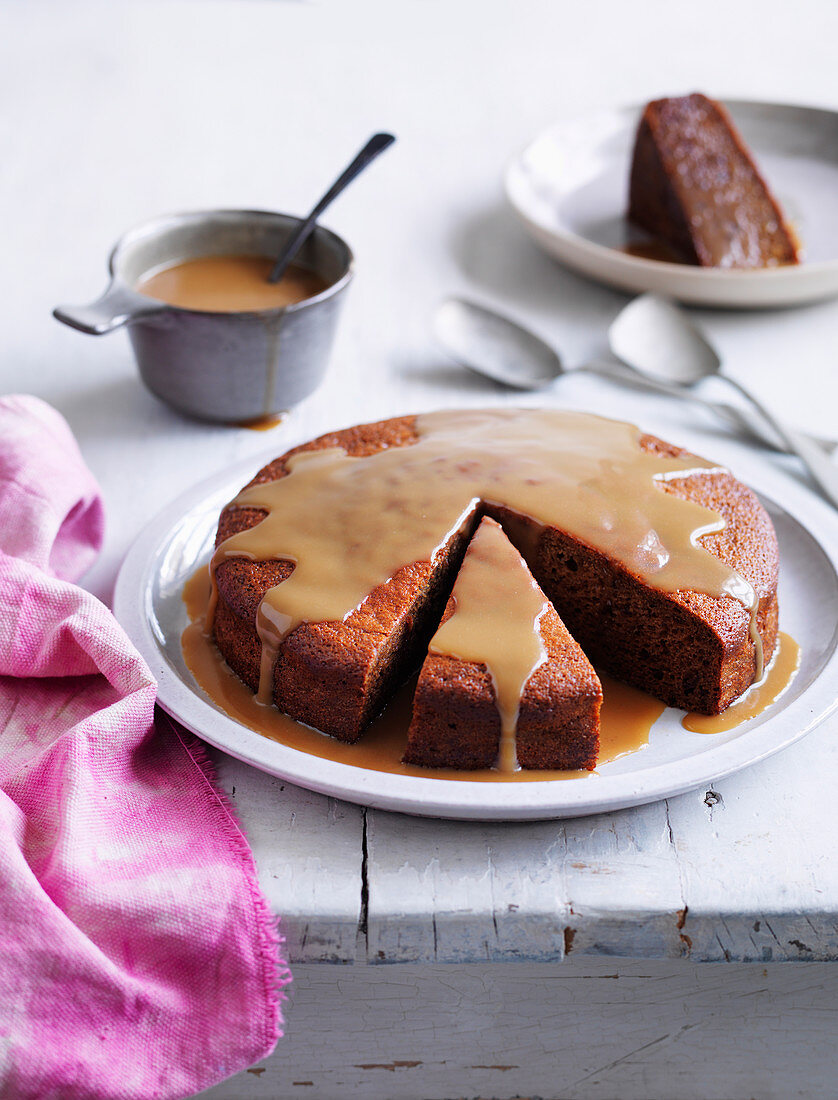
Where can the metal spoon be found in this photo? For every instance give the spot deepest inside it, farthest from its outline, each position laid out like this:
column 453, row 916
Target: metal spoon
column 655, row 338
column 499, row 348
column 495, row 346
column 490, row 344
column 377, row 144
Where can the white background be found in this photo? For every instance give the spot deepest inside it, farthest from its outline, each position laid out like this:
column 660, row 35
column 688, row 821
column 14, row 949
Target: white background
column 115, row 112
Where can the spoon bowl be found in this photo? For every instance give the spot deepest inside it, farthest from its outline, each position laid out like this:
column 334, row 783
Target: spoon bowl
column 655, row 338
column 652, row 336
column 495, row 346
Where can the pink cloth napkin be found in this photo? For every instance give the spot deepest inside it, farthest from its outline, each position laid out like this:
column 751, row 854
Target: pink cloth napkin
column 137, row 955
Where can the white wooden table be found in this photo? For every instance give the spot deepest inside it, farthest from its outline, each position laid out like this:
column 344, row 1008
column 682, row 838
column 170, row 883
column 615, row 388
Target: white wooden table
column 604, row 925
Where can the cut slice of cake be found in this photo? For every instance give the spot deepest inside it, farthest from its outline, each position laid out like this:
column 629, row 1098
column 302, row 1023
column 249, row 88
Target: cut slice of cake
column 695, row 187
column 504, row 684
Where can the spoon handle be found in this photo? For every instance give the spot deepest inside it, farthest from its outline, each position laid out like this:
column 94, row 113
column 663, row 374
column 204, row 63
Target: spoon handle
column 754, row 426
column 618, row 372
column 822, row 471
column 377, row 144
column 761, row 431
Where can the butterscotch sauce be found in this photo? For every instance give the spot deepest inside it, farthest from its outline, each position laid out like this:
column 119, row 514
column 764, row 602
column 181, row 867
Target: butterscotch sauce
column 495, row 623
column 626, row 718
column 196, row 595
column 262, row 423
column 627, row 714
column 652, row 250
column 229, row 284
column 778, row 675
column 584, row 474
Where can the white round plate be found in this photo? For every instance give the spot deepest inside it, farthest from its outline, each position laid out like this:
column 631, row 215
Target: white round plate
column 148, row 604
column 570, row 189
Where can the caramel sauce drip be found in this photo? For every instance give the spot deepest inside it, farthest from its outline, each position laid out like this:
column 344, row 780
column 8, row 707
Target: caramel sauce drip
column 778, row 675
column 349, row 523
column 262, row 423
column 626, row 718
column 229, row 284
column 495, row 623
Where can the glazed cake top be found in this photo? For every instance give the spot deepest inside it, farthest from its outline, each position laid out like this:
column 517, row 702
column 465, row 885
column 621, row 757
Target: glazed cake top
column 348, row 523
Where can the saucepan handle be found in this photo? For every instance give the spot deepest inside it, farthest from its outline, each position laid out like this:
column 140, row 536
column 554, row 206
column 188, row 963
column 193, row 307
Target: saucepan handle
column 118, row 306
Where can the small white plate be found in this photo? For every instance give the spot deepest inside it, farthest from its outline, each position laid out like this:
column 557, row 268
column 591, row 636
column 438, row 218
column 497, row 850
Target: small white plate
column 148, row 604
column 570, row 189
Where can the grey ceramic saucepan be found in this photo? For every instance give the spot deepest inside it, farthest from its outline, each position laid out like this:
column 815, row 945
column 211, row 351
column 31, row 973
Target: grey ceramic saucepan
column 221, row 366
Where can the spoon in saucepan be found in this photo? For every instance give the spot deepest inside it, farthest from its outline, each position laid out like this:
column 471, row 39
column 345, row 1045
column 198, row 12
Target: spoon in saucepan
column 376, row 144
column 501, row 349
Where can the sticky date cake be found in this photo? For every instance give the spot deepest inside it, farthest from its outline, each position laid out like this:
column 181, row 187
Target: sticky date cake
column 334, row 565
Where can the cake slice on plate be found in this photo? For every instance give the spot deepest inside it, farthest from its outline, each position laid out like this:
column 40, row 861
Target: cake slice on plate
column 695, row 187
column 504, row 683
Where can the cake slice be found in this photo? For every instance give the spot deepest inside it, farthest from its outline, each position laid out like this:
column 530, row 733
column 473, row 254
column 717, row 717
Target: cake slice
column 504, row 683
column 695, row 187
